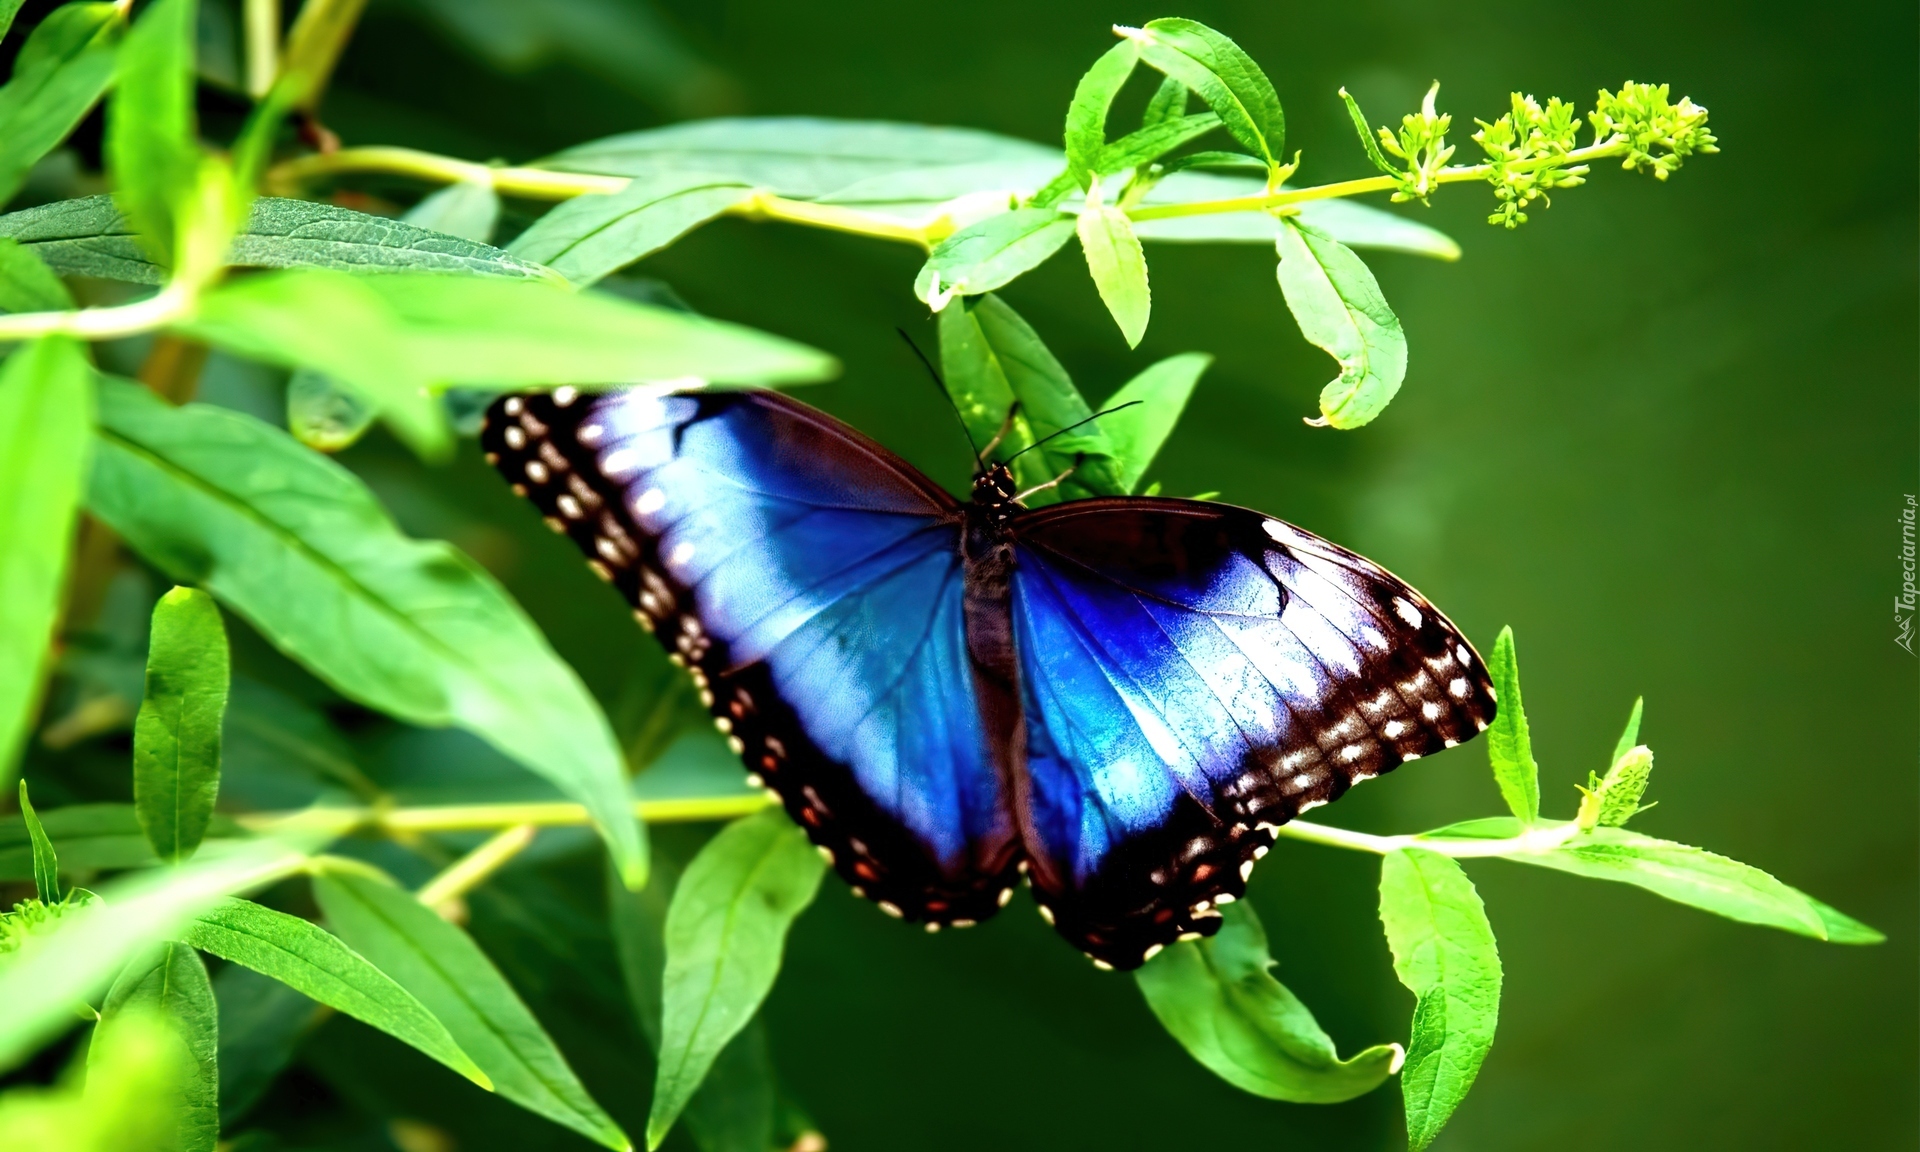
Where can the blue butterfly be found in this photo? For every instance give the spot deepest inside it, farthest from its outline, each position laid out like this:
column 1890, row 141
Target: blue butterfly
column 1120, row 698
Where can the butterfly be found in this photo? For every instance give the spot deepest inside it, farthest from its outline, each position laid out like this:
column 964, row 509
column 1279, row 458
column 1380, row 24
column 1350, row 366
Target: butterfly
column 1117, row 699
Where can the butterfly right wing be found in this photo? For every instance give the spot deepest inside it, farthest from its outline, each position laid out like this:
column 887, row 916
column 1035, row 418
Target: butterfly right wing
column 811, row 581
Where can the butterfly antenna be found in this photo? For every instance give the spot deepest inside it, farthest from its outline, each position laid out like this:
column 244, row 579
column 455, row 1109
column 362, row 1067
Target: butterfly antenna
column 941, row 385
column 1071, row 427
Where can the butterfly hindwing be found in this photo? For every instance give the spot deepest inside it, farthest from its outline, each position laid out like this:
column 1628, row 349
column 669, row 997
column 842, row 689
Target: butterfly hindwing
column 811, row 582
column 1195, row 675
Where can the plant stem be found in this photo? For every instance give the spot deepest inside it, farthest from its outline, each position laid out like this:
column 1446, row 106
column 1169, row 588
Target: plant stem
column 473, row 869
column 474, row 817
column 1541, row 838
column 171, row 303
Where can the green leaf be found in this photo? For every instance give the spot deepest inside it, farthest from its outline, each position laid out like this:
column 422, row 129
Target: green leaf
column 446, row 971
column 1367, row 138
column 725, row 931
column 123, row 1094
column 1337, row 303
column 1169, row 102
column 8, row 10
column 300, row 549
column 329, row 418
column 262, row 1022
column 1223, row 75
column 794, row 155
column 1148, row 144
column 172, row 983
column 1218, row 998
column 152, row 148
column 1119, row 269
column 27, row 284
column 46, row 414
column 469, row 209
column 52, row 972
column 90, row 837
column 304, row 956
column 60, row 74
column 176, row 737
column 733, row 1110
column 1626, row 782
column 990, row 357
column 1631, row 734
column 46, row 866
column 1087, row 112
column 1158, row 396
column 590, row 236
column 991, row 254
column 1699, row 878
column 1443, row 951
column 1509, row 748
column 90, row 237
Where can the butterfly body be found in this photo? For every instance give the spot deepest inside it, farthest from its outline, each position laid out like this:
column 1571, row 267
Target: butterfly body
column 1120, row 698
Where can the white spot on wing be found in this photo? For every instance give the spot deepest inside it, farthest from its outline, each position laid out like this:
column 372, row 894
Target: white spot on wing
column 650, row 501
column 620, row 463
column 682, row 552
column 1407, row 612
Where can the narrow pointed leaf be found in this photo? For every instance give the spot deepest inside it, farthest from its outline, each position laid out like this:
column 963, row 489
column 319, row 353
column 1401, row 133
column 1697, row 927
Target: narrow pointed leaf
column 1169, row 102
column 1223, row 75
column 152, row 150
column 46, row 866
column 991, row 357
column 1219, row 999
column 1087, row 113
column 46, row 417
column 62, row 71
column 590, row 236
column 1119, row 269
column 299, row 548
column 171, row 983
column 1337, row 303
column 176, row 737
column 1149, row 144
column 1158, row 395
column 1509, row 748
column 726, row 929
column 1702, row 879
column 1631, row 734
column 306, row 957
column 991, row 254
column 446, row 971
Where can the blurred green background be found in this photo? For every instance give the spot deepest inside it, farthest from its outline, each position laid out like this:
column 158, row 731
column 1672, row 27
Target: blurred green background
column 1663, row 431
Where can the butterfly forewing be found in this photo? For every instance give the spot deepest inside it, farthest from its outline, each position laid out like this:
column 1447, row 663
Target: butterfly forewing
column 811, row 583
column 1196, row 675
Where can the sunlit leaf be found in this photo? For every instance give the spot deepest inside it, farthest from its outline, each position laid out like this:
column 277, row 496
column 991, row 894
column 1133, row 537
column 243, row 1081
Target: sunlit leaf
column 1223, row 75
column 1337, row 303
column 1509, row 747
column 1219, row 998
column 1443, row 951
column 726, row 929
column 1155, row 399
column 46, row 416
column 446, row 971
column 299, row 547
column 1087, row 113
column 46, row 865
column 152, row 151
column 991, row 254
column 1119, row 269
column 305, row 956
column 123, row 1093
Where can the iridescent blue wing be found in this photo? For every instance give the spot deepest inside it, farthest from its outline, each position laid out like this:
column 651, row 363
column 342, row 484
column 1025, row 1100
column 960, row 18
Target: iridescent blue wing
column 1195, row 675
column 811, row 581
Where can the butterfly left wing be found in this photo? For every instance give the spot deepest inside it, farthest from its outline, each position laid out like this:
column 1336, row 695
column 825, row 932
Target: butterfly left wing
column 811, row 582
column 1194, row 676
